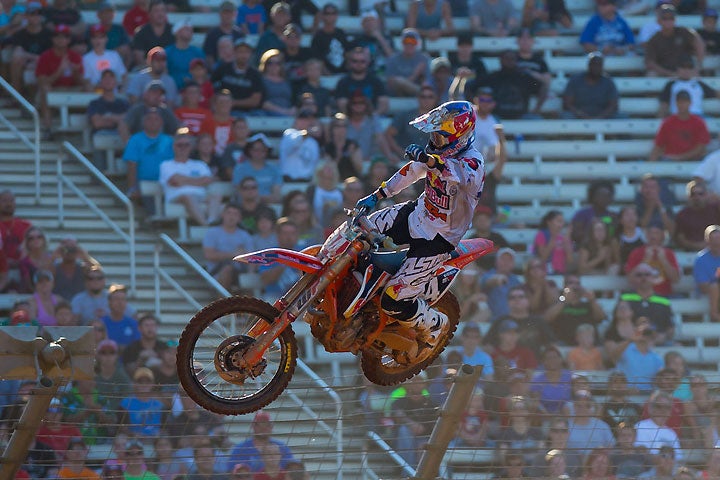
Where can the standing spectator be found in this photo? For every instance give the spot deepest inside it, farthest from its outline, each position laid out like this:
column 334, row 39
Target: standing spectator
column 618, row 409
column 243, row 82
column 670, row 44
column 629, row 234
column 43, row 301
column 58, row 68
column 707, row 261
column 329, row 42
column 635, row 358
column 156, row 71
column 659, row 257
column 709, row 31
column 652, row 433
column 278, row 96
column 431, row 18
column 360, row 81
column 228, row 12
column 591, row 94
column 135, row 463
column 118, row 39
column 686, row 80
column 136, row 17
column 551, row 245
column 682, row 136
column 546, row 17
column 153, row 98
column 600, row 195
column 28, row 44
column 495, row 18
column 300, row 149
column 586, row 431
column 120, row 327
column 222, row 243
column 157, row 32
column 70, row 269
column 597, row 254
column 268, row 177
column 654, row 203
column 512, row 89
column 146, row 350
column 408, row 69
column 145, row 151
column 185, row 181
column 248, row 452
column 100, row 58
column 607, row 31
column 181, row 53
column 692, row 221
column 498, row 281
column 551, row 383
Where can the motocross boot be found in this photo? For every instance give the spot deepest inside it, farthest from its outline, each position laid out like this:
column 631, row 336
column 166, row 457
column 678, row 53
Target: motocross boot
column 428, row 322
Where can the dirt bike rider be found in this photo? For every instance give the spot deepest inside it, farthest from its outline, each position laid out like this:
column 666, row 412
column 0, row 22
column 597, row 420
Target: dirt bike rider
column 436, row 221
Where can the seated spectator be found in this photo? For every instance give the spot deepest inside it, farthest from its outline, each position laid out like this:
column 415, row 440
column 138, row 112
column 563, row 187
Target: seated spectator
column 365, row 128
column 152, row 99
column 441, row 78
column 408, row 69
column 145, row 351
column 556, row 464
column 512, row 88
column 248, row 199
column 135, row 17
column 473, row 301
column 92, row 303
column 163, row 461
column 185, row 181
column 135, row 462
column 62, row 12
column 513, row 467
column 413, row 415
column 498, row 281
column 677, row 364
column 636, row 359
column 100, row 58
column 533, row 63
column 111, row 380
column 205, row 152
column 486, row 136
column 141, row 413
column 190, row 114
column 591, row 94
column 519, row 437
column 692, row 221
column 43, row 301
column 494, row 18
column 431, row 18
column 557, row 442
column 598, row 255
column 243, row 83
column 708, row 261
column 507, row 347
column 144, row 154
column 627, row 460
column 607, row 31
column 597, row 465
column 585, row 356
column 654, row 202
column 86, row 408
column 712, row 467
column 228, row 13
column 546, row 17
column 268, row 177
column 299, row 149
column 12, row 235
column 666, row 381
column 471, row 349
column 551, row 383
column 120, row 327
column 264, row 236
column 106, row 112
column 600, row 195
column 181, row 53
column 165, row 371
column 329, row 42
column 118, row 39
column 278, row 96
column 709, row 31
column 682, row 136
column 664, row 464
column 222, row 243
column 324, row 193
column 670, row 44
column 311, row 85
column 297, row 208
column 248, row 451
column 342, row 151
column 276, row 279
column 58, row 68
column 686, row 80
column 74, row 461
column 27, row 44
column 376, row 41
column 628, row 236
column 586, row 432
column 233, row 153
column 156, row 70
column 272, row 37
column 219, row 125
column 618, row 411
column 65, row 316
column 55, row 431
column 551, row 245
column 658, row 257
column 295, row 55
column 353, row 190
column 542, row 291
column 645, row 302
column 251, row 17
column 360, row 80
column 157, row 32
column 36, row 256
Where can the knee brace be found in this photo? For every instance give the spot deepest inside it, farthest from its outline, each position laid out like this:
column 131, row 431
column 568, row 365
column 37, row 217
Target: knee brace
column 403, row 309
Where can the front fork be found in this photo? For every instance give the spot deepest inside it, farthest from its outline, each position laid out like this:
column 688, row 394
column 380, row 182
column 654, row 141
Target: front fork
column 293, row 304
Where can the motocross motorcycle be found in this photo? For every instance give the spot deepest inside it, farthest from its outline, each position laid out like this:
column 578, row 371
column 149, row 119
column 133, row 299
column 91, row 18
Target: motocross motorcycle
column 239, row 353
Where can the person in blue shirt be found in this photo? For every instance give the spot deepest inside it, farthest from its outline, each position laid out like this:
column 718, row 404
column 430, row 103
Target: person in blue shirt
column 471, row 351
column 636, row 359
column 249, row 452
column 269, row 178
column 498, row 281
column 607, row 31
column 120, row 328
column 181, row 53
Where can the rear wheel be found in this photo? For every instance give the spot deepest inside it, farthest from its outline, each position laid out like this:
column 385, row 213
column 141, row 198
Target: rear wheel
column 212, row 342
column 389, row 367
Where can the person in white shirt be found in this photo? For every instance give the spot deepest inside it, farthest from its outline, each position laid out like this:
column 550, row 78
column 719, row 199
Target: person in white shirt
column 652, row 432
column 708, row 171
column 651, row 28
column 185, row 181
column 686, row 80
column 485, row 135
column 299, row 149
column 100, row 59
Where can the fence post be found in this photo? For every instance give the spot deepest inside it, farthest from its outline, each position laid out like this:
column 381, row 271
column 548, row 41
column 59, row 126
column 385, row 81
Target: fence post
column 446, row 427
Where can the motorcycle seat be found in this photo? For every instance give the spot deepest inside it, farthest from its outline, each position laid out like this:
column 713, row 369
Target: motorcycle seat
column 389, row 261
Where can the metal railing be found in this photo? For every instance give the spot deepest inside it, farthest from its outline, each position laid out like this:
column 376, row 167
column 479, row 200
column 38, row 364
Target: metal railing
column 335, row 434
column 32, row 144
column 63, row 180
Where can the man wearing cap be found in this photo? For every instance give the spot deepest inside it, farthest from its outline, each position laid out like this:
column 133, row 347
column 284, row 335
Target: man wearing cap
column 507, row 347
column 135, row 463
column 591, row 94
column 190, row 113
column 156, row 70
column 272, row 37
column 668, row 46
column 407, row 69
column 240, row 79
column 709, row 31
column 636, row 358
column 99, row 58
column 360, row 80
column 329, row 42
column 498, row 281
column 686, row 80
column 683, row 136
column 58, row 68
column 156, row 33
column 27, row 44
column 295, row 55
column 153, row 98
column 375, row 37
column 586, row 432
column 117, row 39
column 248, row 452
column 299, row 148
column 226, row 27
column 181, row 53
column 62, row 12
column 269, row 178
column 606, row 31
column 643, row 299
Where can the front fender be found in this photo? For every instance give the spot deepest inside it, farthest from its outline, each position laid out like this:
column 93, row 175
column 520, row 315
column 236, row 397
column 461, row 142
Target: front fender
column 291, row 258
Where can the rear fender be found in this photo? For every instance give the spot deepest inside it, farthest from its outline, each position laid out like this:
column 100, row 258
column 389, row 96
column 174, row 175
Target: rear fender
column 298, row 260
column 470, row 250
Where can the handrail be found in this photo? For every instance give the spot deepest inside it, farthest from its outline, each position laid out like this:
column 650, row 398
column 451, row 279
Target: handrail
column 128, row 237
column 33, row 145
column 337, row 433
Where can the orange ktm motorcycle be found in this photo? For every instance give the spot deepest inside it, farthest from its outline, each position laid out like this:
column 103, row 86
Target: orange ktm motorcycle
column 239, row 353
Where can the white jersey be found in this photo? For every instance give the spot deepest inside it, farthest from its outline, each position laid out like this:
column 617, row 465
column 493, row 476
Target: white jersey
column 452, row 190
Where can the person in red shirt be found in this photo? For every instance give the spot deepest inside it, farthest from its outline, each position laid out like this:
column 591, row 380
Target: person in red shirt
column 199, row 74
column 12, row 235
column 53, row 432
column 507, row 347
column 190, row 113
column 219, row 125
column 682, row 136
column 659, row 257
column 58, row 67
column 136, row 17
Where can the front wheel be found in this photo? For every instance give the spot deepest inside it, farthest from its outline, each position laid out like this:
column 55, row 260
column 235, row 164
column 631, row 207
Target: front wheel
column 384, row 366
column 215, row 337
